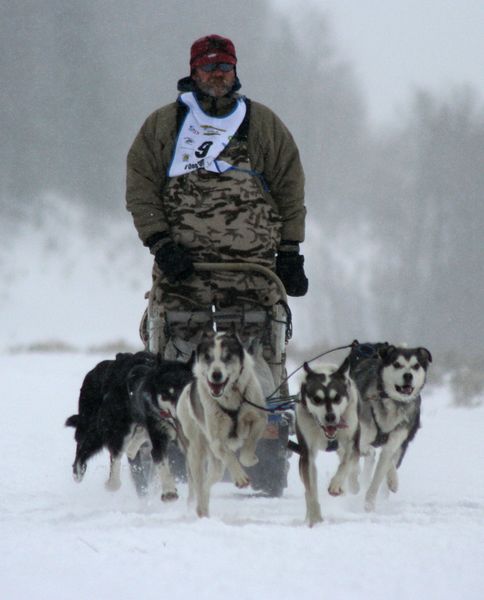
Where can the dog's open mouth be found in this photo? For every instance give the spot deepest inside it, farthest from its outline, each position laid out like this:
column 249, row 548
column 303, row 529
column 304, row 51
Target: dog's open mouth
column 405, row 390
column 217, row 388
column 330, row 431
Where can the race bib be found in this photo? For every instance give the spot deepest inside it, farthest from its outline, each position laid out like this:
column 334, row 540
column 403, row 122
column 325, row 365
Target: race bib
column 202, row 138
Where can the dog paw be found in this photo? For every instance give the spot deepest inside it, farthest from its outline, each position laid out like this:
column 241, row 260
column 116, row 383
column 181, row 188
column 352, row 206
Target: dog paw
column 392, row 480
column 169, row 496
column 239, row 476
column 314, row 520
column 78, row 472
column 202, row 512
column 248, row 460
column 313, row 523
column 335, row 488
column 242, row 481
column 112, row 485
column 369, row 504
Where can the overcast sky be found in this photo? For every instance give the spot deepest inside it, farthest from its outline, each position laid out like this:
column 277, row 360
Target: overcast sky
column 396, row 45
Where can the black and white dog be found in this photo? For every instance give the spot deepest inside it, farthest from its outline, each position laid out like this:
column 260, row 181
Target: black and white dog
column 123, row 404
column 327, row 419
column 220, row 412
column 389, row 379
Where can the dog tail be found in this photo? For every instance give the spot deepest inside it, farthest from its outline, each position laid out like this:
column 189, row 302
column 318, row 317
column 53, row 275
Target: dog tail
column 72, row 421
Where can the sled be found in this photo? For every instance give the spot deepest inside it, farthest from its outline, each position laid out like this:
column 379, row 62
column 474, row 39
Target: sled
column 272, row 329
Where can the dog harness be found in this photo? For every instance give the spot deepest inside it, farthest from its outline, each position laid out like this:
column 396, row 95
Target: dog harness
column 202, row 138
column 382, row 437
column 233, row 414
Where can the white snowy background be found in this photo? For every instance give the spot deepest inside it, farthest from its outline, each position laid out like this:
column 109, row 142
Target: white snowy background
column 72, row 293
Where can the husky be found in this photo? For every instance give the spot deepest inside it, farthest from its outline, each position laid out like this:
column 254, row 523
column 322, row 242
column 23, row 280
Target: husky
column 220, row 412
column 389, row 379
column 123, row 404
column 327, row 419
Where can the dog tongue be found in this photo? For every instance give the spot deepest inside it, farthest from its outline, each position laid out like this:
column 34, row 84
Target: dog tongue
column 330, row 431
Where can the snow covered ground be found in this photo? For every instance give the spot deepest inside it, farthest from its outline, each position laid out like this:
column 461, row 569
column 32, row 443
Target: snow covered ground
column 59, row 539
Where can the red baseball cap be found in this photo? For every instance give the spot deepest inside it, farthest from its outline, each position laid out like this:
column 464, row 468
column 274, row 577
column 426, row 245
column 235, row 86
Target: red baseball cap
column 212, row 49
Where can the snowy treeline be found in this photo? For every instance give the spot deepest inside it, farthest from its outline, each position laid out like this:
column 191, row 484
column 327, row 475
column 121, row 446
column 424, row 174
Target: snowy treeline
column 393, row 248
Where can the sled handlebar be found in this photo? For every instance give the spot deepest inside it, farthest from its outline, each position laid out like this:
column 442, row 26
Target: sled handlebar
column 244, row 267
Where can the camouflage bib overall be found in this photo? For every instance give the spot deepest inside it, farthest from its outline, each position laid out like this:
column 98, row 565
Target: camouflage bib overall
column 222, row 218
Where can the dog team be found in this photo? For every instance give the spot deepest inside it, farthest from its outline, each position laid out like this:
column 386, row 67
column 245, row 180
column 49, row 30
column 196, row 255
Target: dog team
column 214, row 408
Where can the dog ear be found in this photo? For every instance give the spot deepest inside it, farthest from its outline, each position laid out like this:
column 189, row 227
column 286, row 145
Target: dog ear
column 308, row 369
column 207, row 331
column 303, row 393
column 424, row 355
column 385, row 351
column 134, row 376
column 343, row 369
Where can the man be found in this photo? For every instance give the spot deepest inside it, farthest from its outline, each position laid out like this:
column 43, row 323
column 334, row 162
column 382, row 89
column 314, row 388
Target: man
column 216, row 177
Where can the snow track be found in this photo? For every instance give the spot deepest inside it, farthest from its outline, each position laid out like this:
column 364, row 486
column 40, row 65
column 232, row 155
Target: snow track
column 59, row 539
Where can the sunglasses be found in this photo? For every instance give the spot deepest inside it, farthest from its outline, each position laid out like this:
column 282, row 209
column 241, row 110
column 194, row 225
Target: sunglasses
column 224, row 67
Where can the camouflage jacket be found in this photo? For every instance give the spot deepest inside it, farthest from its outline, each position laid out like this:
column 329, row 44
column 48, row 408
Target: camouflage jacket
column 271, row 151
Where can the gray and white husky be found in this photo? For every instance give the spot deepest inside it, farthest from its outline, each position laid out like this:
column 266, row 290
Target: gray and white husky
column 327, row 419
column 389, row 382
column 220, row 412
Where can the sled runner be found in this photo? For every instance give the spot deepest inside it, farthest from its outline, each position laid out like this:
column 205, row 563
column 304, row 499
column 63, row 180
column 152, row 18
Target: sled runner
column 265, row 332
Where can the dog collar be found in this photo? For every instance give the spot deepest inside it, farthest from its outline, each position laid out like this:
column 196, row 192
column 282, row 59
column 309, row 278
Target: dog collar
column 332, row 442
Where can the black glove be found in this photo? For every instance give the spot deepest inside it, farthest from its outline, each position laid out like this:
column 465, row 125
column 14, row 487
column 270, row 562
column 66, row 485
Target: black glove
column 290, row 270
column 174, row 261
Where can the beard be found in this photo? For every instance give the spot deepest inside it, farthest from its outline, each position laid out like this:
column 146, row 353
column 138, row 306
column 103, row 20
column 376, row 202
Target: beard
column 215, row 86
